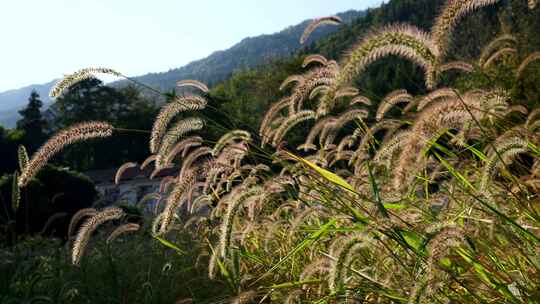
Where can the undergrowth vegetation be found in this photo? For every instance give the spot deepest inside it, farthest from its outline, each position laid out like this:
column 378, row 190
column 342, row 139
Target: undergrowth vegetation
column 403, row 199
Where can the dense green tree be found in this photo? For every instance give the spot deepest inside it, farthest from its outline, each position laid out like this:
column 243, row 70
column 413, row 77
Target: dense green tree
column 32, row 123
column 126, row 109
column 53, row 191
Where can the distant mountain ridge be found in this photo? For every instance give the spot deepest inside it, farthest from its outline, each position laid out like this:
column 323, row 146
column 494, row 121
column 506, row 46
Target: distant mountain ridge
column 219, row 66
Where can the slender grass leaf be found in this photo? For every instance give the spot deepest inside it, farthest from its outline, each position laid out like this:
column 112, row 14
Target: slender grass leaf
column 324, row 173
column 169, row 244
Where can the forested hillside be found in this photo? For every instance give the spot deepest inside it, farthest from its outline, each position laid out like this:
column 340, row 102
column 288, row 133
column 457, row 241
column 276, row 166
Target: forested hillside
column 252, row 91
column 248, row 53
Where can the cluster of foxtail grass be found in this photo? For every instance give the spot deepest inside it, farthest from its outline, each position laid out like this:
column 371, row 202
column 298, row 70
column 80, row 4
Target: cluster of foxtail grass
column 434, row 201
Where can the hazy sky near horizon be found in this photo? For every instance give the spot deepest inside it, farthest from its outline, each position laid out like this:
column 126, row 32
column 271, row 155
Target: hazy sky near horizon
column 43, row 39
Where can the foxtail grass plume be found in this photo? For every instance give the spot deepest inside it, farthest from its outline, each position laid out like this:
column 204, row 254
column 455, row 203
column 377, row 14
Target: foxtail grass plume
column 148, row 160
column 80, row 75
column 175, row 200
column 436, row 95
column 505, row 40
column 314, row 58
column 77, row 133
column 403, row 40
column 15, row 192
column 532, row 57
column 121, row 171
column 331, row 20
column 497, row 55
column 456, row 65
column 85, row 232
column 230, row 137
column 344, row 256
column 299, row 79
column 360, row 100
column 390, row 100
column 192, row 157
column 177, row 131
column 507, row 150
column 147, row 198
column 131, row 227
column 77, row 217
column 183, row 147
column 451, row 13
column 233, row 206
column 23, row 157
column 290, row 123
column 167, row 114
column 193, row 83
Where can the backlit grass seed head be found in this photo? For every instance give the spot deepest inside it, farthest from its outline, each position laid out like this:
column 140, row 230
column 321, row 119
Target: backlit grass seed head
column 121, row 171
column 449, row 114
column 499, row 54
column 85, row 232
column 320, row 266
column 435, row 95
column 271, row 113
column 22, row 157
column 298, row 79
column 131, row 227
column 183, row 148
column 315, row 78
column 193, row 83
column 507, row 150
column 290, row 123
column 456, row 65
column 175, row 200
column 167, row 114
column 314, row 58
column 230, row 137
column 331, row 20
column 390, row 100
column 77, row 133
column 233, row 206
column 525, row 63
column 77, row 217
column 505, row 40
column 177, row 131
column 389, row 148
column 360, row 100
column 346, row 92
column 192, row 157
column 80, row 75
column 339, row 266
column 156, row 224
column 348, row 116
column 147, row 161
column 402, row 40
column 148, row 198
column 15, row 192
column 533, row 117
column 450, row 15
column 319, row 90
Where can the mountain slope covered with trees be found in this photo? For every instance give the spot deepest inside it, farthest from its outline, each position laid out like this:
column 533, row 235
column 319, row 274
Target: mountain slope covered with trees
column 248, row 53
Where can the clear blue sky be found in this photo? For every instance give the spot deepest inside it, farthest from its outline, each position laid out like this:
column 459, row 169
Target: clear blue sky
column 44, row 39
